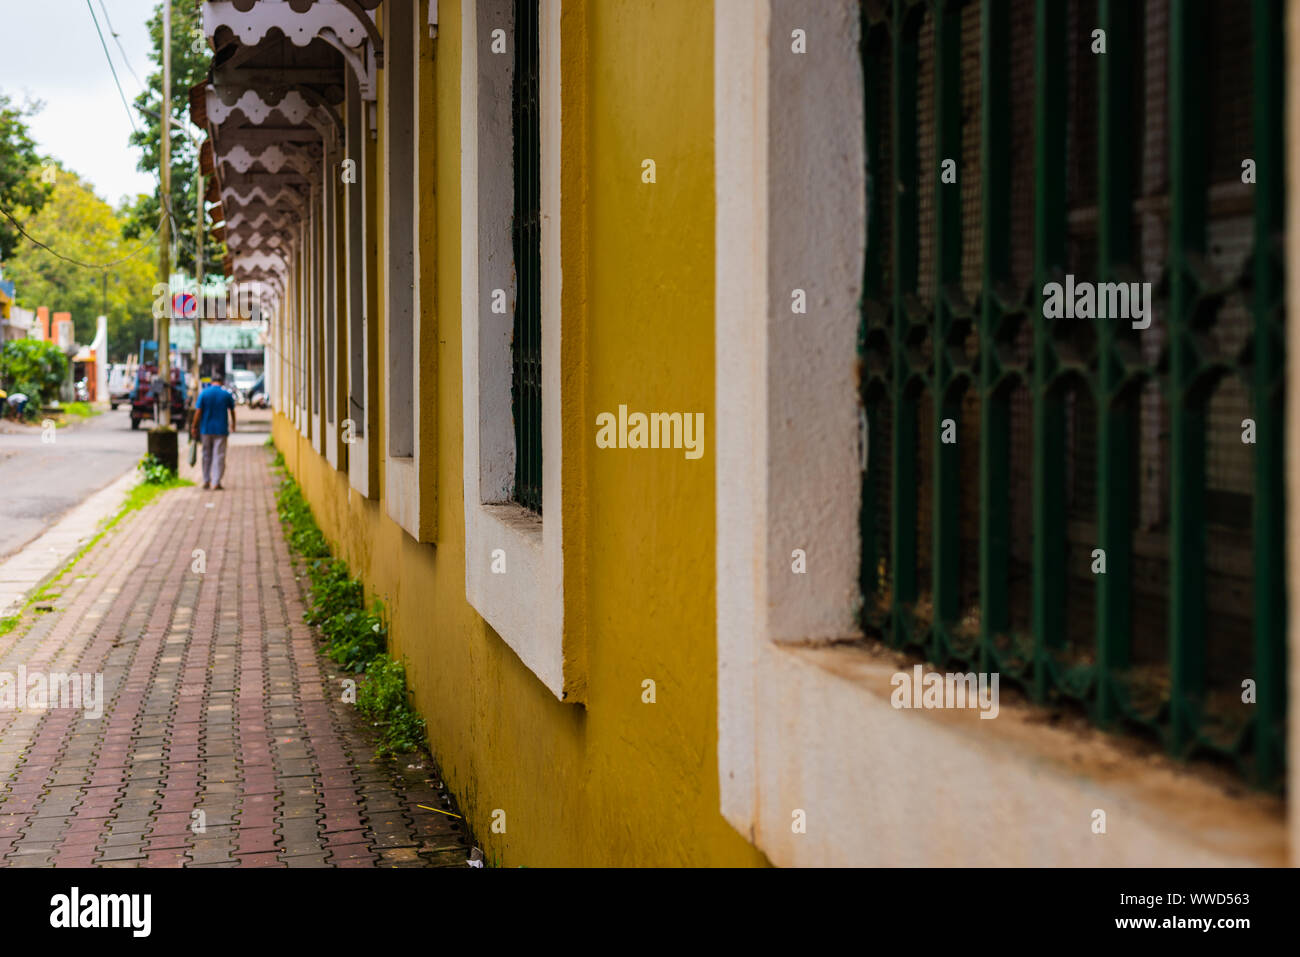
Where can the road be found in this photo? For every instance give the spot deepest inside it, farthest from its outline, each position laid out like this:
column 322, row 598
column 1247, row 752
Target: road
column 39, row 481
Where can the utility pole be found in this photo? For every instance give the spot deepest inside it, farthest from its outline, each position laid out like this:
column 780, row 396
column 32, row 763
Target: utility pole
column 200, row 228
column 162, row 438
column 165, row 234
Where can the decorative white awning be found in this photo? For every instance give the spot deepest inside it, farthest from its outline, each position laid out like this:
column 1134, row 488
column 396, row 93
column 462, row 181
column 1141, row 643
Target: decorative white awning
column 272, row 106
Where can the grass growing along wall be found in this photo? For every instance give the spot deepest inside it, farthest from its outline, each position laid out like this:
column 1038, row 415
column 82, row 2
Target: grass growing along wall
column 356, row 636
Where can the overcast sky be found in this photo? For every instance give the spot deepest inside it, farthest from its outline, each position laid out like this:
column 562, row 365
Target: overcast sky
column 51, row 52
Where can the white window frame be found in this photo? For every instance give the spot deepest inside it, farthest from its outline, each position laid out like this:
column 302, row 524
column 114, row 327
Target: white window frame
column 525, row 606
column 304, row 327
column 786, row 398
column 331, row 346
column 402, row 487
column 316, row 387
column 359, row 341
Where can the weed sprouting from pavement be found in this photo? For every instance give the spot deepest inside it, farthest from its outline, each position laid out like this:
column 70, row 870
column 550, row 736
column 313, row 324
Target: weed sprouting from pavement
column 156, row 472
column 384, row 694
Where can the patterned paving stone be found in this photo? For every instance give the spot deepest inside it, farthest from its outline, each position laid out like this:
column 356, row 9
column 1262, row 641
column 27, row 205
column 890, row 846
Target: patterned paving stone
column 223, row 742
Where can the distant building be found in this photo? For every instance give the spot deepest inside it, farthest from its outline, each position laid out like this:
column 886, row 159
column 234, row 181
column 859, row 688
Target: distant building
column 15, row 321
column 86, row 363
column 62, row 331
column 6, row 307
column 225, row 347
column 11, row 315
column 18, row 324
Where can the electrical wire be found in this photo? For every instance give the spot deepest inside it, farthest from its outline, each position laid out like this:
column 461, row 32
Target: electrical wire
column 129, row 115
column 169, row 214
column 177, row 233
column 76, row 262
column 117, row 38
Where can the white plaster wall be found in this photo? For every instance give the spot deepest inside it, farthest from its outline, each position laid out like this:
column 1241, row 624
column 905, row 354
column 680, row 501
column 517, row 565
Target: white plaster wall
column 740, row 396
column 494, row 252
column 100, row 346
column 816, row 196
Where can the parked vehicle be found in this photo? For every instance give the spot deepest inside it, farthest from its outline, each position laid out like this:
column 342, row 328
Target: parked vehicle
column 257, row 397
column 242, row 382
column 146, row 397
column 119, row 386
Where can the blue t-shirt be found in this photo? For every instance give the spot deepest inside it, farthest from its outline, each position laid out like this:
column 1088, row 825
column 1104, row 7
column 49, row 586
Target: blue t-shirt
column 214, row 402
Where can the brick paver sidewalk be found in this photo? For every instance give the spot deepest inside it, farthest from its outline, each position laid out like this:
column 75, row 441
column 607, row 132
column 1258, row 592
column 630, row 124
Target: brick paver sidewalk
column 215, row 700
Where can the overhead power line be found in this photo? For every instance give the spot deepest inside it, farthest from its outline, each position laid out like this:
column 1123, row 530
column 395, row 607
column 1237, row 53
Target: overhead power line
column 116, row 82
column 168, row 212
column 76, row 262
column 165, row 130
column 117, row 38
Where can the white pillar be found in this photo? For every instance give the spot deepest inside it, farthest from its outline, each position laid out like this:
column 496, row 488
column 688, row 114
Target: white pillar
column 100, row 348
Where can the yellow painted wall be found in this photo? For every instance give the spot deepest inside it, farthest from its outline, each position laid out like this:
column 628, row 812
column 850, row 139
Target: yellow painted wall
column 616, row 781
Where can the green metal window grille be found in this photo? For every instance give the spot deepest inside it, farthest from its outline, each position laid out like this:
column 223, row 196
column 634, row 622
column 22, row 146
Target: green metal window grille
column 526, row 347
column 1081, row 434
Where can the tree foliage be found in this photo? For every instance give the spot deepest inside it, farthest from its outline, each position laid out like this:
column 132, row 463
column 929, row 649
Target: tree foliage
column 190, row 61
column 80, row 225
column 19, row 161
column 34, row 368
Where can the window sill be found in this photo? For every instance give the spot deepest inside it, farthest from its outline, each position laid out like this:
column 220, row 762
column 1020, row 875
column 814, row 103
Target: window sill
column 513, row 579
column 1003, row 792
column 518, row 519
column 402, row 496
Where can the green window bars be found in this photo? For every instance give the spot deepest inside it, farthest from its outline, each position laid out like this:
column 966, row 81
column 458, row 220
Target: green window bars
column 526, row 347
column 1093, row 510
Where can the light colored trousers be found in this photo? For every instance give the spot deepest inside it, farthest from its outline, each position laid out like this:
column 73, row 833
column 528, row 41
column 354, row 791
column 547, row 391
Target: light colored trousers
column 214, row 458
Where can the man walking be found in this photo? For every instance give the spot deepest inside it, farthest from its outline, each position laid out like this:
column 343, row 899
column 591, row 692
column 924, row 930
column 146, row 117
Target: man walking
column 210, row 425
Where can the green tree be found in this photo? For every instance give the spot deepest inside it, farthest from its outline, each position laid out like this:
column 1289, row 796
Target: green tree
column 190, row 61
column 34, row 368
column 81, row 226
column 18, row 161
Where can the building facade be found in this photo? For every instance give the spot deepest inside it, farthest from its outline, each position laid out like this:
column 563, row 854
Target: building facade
column 225, row 346
column 15, row 321
column 684, row 374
